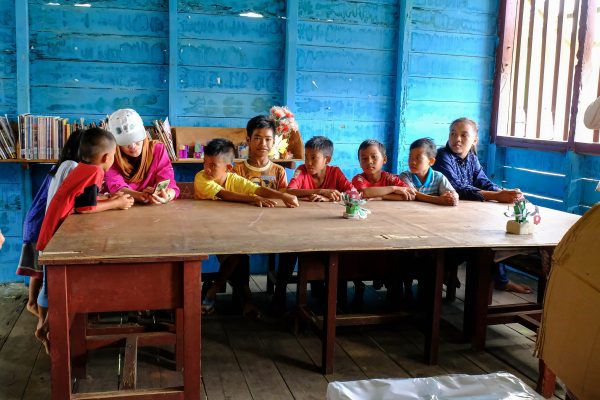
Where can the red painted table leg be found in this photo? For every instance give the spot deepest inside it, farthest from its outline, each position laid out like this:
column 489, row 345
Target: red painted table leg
column 331, row 279
column 58, row 318
column 191, row 323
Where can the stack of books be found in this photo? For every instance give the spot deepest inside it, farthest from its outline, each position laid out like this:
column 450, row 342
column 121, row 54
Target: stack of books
column 162, row 133
column 42, row 138
column 7, row 140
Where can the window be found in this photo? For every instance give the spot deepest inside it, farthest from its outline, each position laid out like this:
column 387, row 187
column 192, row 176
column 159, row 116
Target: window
column 547, row 72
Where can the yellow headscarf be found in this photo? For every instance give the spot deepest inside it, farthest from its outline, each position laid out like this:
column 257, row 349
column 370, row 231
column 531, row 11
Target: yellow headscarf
column 135, row 169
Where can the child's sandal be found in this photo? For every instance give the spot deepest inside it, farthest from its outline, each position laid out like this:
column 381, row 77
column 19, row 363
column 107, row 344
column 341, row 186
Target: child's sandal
column 208, row 306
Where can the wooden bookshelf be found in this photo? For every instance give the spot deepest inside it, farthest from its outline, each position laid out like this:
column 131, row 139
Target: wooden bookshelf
column 290, row 163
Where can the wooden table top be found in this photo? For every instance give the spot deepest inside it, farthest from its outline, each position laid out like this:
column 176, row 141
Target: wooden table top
column 190, row 229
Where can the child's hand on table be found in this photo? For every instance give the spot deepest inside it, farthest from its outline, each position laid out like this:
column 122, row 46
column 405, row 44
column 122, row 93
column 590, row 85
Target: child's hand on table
column 316, row 198
column 123, row 202
column 290, row 200
column 407, row 193
column 263, row 202
column 331, row 194
column 450, row 198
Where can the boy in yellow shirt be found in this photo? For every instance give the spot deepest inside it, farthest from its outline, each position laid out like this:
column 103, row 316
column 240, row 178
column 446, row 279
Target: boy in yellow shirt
column 216, row 182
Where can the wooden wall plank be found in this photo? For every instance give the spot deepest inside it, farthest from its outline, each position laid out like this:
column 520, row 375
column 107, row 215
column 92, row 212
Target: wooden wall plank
column 92, row 21
column 356, row 12
column 422, row 64
column 330, row 59
column 83, row 74
column 52, row 45
column 205, row 104
column 535, row 160
column 453, row 20
column 229, row 80
column 268, row 8
column 344, row 84
column 230, row 54
column 154, row 5
column 356, row 109
column 217, row 27
column 97, row 101
column 441, row 89
column 552, row 186
column 344, row 35
column 452, row 43
column 489, row 7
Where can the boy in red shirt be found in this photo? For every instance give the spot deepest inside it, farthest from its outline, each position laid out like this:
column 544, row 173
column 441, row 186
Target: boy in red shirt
column 316, row 180
column 79, row 193
column 374, row 182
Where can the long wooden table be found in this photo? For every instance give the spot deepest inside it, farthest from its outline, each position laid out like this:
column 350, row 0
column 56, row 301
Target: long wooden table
column 95, row 261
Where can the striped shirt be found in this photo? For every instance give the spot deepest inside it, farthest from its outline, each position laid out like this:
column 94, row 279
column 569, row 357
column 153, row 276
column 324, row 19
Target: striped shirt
column 435, row 183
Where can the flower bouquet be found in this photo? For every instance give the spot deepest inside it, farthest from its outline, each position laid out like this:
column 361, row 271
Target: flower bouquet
column 285, row 124
column 520, row 225
column 354, row 202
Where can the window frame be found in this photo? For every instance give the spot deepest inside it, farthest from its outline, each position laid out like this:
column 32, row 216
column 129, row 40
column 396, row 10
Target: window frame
column 507, row 20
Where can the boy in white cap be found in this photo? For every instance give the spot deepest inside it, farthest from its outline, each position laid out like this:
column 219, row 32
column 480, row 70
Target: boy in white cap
column 140, row 163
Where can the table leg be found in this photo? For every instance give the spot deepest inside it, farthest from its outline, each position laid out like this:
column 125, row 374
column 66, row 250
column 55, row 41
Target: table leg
column 58, row 318
column 331, row 279
column 192, row 281
column 78, row 345
column 432, row 336
column 179, row 343
column 546, row 380
column 479, row 278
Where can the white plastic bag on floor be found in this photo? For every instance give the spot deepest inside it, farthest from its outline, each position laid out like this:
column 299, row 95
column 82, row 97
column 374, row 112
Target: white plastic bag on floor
column 498, row 386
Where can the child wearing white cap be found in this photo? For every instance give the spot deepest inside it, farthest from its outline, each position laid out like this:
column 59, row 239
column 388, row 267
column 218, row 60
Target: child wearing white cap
column 140, row 163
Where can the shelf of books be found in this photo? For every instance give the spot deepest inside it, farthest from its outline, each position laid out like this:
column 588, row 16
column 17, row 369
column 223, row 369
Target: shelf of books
column 39, row 139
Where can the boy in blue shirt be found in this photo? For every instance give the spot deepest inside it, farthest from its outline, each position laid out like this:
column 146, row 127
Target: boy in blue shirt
column 431, row 186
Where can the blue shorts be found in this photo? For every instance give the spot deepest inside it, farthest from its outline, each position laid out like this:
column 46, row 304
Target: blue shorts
column 42, row 299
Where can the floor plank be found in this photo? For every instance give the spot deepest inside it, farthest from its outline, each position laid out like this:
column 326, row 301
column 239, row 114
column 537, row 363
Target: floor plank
column 17, row 357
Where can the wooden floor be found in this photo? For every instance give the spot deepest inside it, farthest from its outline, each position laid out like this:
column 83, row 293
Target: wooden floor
column 264, row 360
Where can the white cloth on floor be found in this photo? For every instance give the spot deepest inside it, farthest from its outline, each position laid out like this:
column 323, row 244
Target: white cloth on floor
column 498, row 386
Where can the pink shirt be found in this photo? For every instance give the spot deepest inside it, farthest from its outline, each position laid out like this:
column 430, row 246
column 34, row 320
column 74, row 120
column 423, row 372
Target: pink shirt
column 387, row 179
column 334, row 179
column 160, row 169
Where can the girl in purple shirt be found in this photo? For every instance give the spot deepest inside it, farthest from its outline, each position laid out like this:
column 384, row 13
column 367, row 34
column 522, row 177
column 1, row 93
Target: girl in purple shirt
column 459, row 163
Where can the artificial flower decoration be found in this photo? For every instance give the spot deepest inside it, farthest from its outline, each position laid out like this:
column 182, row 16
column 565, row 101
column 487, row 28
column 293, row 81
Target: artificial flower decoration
column 285, row 124
column 521, row 213
column 354, row 202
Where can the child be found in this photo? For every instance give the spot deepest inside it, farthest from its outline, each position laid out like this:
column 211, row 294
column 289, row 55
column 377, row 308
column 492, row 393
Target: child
column 79, row 192
column 28, row 264
column 258, row 168
column 458, row 162
column 432, row 186
column 316, row 180
column 374, row 182
column 217, row 182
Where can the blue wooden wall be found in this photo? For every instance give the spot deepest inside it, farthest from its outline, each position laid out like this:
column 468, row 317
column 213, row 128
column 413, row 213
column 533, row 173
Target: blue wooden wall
column 448, row 69
column 8, row 60
column 350, row 69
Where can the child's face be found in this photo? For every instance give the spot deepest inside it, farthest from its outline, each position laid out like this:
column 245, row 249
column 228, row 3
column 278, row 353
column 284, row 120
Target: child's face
column 371, row 160
column 216, row 167
column 134, row 149
column 462, row 138
column 315, row 161
column 260, row 143
column 419, row 162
